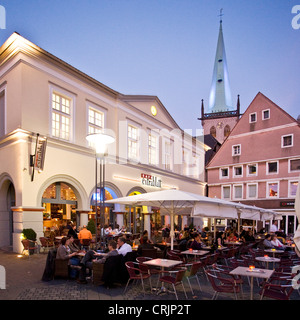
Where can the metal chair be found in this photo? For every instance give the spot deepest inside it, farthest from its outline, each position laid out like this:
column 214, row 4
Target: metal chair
column 192, row 272
column 221, row 285
column 174, row 281
column 45, row 243
column 29, row 246
column 136, row 273
column 281, row 290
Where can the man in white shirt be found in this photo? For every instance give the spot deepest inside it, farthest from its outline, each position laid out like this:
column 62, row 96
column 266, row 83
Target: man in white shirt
column 123, row 247
column 274, row 227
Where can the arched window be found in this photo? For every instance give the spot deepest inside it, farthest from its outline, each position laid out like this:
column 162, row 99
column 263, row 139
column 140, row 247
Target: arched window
column 213, row 131
column 226, row 131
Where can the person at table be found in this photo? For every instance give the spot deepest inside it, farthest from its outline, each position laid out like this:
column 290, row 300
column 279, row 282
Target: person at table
column 84, row 233
column 73, row 232
column 123, row 247
column 95, row 257
column 276, row 243
column 248, row 236
column 144, row 245
column 145, row 234
column 157, row 237
column 72, row 245
column 220, row 238
column 196, row 243
column 231, row 237
column 267, row 242
column 64, row 253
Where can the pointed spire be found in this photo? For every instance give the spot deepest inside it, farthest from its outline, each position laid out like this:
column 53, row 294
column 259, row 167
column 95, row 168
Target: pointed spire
column 220, row 95
column 238, row 105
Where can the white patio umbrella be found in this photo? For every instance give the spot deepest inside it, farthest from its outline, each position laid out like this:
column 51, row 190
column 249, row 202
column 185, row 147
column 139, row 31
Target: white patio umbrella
column 297, row 211
column 179, row 202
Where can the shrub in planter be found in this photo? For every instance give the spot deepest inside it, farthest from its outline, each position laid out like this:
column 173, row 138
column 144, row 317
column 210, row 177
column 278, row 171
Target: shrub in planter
column 91, row 226
column 30, row 234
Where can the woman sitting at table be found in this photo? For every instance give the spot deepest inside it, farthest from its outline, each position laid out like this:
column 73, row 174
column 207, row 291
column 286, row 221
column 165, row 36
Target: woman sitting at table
column 276, row 243
column 220, row 239
column 64, row 253
column 196, row 243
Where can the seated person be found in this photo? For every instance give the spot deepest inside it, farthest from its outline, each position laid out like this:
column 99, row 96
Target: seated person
column 196, row 243
column 220, row 239
column 276, row 243
column 64, row 253
column 145, row 233
column 248, row 237
column 231, row 237
column 72, row 245
column 145, row 245
column 156, row 238
column 73, row 232
column 267, row 242
column 92, row 256
column 123, row 247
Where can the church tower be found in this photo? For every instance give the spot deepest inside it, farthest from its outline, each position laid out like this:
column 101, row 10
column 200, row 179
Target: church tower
column 220, row 117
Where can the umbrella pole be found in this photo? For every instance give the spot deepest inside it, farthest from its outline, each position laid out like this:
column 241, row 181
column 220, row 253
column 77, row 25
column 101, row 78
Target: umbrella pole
column 172, row 226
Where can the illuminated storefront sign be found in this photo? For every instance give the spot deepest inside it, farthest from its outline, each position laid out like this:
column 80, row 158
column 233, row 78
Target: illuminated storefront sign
column 150, row 180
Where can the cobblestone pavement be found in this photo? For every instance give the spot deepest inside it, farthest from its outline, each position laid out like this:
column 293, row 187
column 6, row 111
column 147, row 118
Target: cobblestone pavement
column 23, row 282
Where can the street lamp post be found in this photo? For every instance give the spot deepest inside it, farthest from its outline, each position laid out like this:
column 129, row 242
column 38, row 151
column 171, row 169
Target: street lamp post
column 99, row 142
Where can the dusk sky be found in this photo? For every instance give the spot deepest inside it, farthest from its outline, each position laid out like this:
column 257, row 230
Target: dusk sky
column 166, row 48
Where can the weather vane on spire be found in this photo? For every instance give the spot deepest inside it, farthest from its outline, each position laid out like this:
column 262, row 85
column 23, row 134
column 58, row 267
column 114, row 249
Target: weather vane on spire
column 221, row 15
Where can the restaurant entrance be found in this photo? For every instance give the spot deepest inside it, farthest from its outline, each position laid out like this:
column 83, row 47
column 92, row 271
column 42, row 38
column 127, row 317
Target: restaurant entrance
column 60, row 203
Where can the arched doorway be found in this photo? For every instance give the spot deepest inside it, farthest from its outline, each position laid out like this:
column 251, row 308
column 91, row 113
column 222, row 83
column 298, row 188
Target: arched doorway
column 60, row 203
column 7, row 200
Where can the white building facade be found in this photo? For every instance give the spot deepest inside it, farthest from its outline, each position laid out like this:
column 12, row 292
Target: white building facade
column 47, row 109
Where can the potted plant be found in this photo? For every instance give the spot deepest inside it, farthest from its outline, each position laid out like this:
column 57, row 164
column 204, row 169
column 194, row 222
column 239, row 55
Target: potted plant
column 91, row 226
column 30, row 234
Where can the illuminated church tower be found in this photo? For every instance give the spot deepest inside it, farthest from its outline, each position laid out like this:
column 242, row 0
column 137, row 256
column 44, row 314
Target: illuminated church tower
column 221, row 116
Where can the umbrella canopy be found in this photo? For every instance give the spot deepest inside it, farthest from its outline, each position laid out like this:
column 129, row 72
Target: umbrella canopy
column 297, row 211
column 174, row 202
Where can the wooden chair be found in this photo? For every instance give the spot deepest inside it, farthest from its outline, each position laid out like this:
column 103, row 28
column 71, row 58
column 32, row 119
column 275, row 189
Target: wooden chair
column 29, row 245
column 61, row 268
column 45, row 243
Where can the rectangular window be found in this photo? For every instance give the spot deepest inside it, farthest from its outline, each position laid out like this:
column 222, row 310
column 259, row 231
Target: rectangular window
column 152, row 149
column 252, row 191
column 287, row 141
column 226, row 190
column 168, row 156
column 238, row 171
column 272, row 190
column 2, row 113
column 133, row 143
column 96, row 120
column 293, row 188
column 266, row 114
column 224, row 173
column 236, row 150
column 252, row 169
column 252, row 117
column 61, row 116
column 272, row 167
column 238, row 192
column 294, row 165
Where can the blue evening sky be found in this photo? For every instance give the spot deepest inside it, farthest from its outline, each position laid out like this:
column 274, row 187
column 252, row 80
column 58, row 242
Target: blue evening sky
column 167, row 48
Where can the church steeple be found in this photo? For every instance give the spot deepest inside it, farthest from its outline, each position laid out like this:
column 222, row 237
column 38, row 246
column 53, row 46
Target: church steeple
column 220, row 94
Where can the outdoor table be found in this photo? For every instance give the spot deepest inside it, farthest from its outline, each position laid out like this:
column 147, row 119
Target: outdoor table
column 59, row 237
column 195, row 252
column 232, row 243
column 162, row 263
column 267, row 260
column 274, row 251
column 258, row 273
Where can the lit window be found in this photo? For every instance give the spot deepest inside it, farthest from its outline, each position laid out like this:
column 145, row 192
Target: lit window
column 133, row 141
column 272, row 189
column 226, row 131
column 61, row 116
column 213, row 131
column 293, row 188
column 236, row 150
column 96, row 120
column 287, row 141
